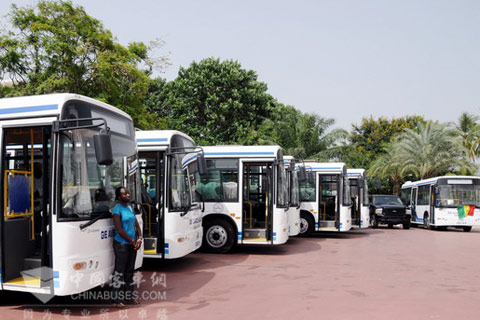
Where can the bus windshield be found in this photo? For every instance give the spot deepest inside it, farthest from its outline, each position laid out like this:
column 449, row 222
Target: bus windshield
column 294, row 189
column 347, row 200
column 181, row 183
column 308, row 188
column 87, row 187
column 454, row 195
column 282, row 186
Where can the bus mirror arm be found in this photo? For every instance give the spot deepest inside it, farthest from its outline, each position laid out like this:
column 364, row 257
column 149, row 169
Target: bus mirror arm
column 89, row 223
column 201, row 198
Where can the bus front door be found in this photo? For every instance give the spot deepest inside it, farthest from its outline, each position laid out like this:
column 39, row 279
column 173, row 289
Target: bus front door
column 414, row 206
column 25, row 179
column 328, row 211
column 257, row 201
column 152, row 172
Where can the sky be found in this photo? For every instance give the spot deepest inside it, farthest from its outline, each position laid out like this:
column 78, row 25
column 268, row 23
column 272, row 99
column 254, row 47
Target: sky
column 340, row 59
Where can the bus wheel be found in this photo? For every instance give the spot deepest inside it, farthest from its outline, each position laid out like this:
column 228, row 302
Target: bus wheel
column 390, row 225
column 406, row 225
column 218, row 236
column 426, row 222
column 467, row 229
column 373, row 221
column 306, row 225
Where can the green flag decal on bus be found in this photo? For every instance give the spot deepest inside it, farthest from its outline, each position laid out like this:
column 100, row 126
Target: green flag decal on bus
column 464, row 211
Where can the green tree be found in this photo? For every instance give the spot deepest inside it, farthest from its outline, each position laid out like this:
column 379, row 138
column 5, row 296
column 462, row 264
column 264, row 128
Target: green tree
column 215, row 102
column 303, row 135
column 469, row 130
column 388, row 168
column 57, row 47
column 370, row 139
column 433, row 150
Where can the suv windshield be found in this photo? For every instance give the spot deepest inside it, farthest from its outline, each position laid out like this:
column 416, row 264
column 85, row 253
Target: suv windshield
column 387, row 200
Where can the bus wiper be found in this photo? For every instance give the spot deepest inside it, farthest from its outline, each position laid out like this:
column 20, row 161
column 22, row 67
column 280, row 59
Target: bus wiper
column 89, row 223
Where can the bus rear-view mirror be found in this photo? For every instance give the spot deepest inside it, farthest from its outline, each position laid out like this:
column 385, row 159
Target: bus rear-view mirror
column 103, row 148
column 302, row 174
column 311, row 178
column 202, row 165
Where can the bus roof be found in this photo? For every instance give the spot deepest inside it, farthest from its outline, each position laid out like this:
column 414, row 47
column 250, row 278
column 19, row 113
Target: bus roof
column 45, row 105
column 325, row 167
column 410, row 184
column 157, row 138
column 355, row 173
column 241, row 151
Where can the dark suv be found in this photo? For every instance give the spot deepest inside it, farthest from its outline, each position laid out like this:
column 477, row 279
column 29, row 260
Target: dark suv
column 388, row 210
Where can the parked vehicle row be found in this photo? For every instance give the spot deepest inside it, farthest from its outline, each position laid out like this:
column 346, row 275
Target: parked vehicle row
column 63, row 156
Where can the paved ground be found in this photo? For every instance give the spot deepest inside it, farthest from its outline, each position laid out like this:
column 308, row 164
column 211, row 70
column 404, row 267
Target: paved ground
column 369, row 274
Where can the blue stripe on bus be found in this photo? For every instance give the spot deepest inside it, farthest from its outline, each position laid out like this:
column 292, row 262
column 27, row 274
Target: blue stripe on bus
column 190, row 159
column 167, row 251
column 239, row 153
column 56, row 274
column 320, row 168
column 29, row 109
column 56, row 284
column 152, row 140
column 166, row 245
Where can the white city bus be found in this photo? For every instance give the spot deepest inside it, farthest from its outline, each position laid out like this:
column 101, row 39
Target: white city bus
column 359, row 194
column 448, row 201
column 325, row 202
column 63, row 156
column 168, row 164
column 245, row 195
column 293, row 197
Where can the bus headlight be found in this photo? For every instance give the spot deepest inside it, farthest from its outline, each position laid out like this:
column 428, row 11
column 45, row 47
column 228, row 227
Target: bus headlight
column 79, row 266
column 379, row 211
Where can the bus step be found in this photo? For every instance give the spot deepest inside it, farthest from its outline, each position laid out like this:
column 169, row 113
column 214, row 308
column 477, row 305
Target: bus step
column 150, row 243
column 254, row 234
column 32, row 263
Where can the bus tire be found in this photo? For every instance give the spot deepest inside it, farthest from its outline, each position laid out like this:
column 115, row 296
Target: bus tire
column 306, row 224
column 218, row 236
column 467, row 229
column 373, row 221
column 406, row 225
column 390, row 225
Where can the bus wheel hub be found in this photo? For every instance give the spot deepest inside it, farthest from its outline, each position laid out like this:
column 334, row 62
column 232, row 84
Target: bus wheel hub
column 216, row 236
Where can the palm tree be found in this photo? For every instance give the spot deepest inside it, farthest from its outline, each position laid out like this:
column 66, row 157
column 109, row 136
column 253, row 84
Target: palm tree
column 434, row 150
column 431, row 151
column 387, row 166
column 469, row 130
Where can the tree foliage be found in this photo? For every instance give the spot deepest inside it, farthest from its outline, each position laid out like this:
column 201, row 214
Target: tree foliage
column 302, row 135
column 431, row 150
column 214, row 102
column 57, row 47
column 469, row 131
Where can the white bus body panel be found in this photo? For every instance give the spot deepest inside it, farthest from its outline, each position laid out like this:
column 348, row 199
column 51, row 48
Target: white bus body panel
column 93, row 245
column 345, row 212
column 443, row 216
column 293, row 215
column 183, row 235
column 235, row 209
column 364, row 209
